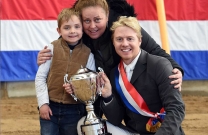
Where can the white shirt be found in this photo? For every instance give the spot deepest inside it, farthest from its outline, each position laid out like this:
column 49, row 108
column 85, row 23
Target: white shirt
column 42, row 73
column 130, row 68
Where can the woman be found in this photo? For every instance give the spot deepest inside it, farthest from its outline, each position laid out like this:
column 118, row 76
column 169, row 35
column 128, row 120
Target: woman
column 97, row 19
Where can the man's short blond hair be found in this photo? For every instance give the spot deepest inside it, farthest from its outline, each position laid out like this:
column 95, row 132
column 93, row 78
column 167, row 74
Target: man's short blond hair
column 130, row 22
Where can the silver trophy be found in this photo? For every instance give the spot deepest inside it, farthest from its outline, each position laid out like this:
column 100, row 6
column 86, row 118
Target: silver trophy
column 85, row 87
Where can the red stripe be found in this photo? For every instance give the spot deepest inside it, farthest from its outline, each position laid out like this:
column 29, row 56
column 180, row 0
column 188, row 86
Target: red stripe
column 132, row 91
column 33, row 9
column 146, row 9
column 175, row 9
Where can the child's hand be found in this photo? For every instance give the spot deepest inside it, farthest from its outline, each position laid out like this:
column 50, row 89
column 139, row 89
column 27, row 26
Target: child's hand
column 45, row 112
column 68, row 88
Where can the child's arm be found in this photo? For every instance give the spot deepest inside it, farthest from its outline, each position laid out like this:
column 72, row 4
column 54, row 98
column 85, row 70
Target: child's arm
column 40, row 82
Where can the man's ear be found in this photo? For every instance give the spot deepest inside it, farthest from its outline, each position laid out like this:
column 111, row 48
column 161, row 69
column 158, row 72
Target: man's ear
column 140, row 40
column 107, row 16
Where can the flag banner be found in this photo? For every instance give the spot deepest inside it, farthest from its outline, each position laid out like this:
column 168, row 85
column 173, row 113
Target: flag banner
column 26, row 27
column 187, row 25
column 29, row 25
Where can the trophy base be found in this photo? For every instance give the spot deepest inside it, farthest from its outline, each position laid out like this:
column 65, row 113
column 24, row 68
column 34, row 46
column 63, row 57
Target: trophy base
column 95, row 129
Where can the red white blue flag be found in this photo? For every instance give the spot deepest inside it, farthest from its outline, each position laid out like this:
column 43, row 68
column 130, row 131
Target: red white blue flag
column 28, row 25
column 187, row 25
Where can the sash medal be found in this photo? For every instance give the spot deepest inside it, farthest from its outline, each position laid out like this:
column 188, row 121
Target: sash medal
column 134, row 101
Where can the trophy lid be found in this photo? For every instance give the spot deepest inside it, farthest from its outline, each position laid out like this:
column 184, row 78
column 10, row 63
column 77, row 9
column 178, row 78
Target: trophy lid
column 83, row 73
column 83, row 70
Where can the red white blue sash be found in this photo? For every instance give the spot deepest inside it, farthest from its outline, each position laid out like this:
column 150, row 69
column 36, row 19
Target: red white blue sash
column 131, row 98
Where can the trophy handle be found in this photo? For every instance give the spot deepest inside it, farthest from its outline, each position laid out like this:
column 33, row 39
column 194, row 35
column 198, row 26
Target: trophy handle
column 67, row 81
column 102, row 85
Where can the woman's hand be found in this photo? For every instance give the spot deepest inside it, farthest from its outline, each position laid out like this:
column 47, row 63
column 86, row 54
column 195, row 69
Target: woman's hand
column 178, row 78
column 45, row 112
column 103, row 80
column 68, row 88
column 43, row 56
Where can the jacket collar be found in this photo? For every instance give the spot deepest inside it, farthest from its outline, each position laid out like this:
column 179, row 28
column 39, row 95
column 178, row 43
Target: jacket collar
column 140, row 66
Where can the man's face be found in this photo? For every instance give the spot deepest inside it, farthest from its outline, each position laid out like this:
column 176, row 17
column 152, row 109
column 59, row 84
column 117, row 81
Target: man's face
column 126, row 43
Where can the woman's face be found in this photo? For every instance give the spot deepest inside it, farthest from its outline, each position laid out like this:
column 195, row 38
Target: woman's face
column 95, row 20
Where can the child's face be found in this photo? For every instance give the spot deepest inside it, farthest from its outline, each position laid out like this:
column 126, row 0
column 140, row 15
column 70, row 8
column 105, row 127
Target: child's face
column 71, row 30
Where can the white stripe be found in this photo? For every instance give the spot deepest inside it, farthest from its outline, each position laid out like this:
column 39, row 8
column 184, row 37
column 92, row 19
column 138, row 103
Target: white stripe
column 131, row 100
column 27, row 35
column 182, row 35
column 35, row 34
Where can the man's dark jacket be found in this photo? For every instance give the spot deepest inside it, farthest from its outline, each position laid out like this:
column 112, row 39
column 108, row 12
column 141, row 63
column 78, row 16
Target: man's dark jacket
column 150, row 79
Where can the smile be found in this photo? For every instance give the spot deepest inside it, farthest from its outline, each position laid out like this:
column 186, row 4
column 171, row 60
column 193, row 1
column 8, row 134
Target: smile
column 93, row 31
column 73, row 36
column 125, row 50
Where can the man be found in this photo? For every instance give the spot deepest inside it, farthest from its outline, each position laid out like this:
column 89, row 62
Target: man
column 139, row 90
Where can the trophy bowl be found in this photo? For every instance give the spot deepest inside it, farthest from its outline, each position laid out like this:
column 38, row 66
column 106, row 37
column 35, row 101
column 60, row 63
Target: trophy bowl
column 84, row 85
column 85, row 89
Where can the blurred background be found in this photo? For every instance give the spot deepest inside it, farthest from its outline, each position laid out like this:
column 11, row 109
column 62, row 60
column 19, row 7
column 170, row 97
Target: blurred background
column 29, row 25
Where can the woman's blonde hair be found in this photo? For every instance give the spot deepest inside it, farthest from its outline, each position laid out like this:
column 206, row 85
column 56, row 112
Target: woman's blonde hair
column 66, row 14
column 81, row 4
column 130, row 22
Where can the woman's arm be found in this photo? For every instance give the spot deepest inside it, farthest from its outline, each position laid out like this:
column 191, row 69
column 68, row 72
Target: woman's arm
column 123, row 8
column 149, row 45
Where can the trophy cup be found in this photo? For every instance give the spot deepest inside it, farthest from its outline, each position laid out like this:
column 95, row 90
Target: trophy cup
column 86, row 91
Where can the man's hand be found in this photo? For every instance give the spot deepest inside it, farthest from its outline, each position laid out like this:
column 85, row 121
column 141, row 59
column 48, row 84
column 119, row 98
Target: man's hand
column 107, row 89
column 43, row 56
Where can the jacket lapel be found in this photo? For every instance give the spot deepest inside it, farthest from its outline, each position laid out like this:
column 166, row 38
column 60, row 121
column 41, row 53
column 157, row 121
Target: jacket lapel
column 140, row 66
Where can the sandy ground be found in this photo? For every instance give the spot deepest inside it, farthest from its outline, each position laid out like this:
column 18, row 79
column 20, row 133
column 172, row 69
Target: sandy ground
column 19, row 116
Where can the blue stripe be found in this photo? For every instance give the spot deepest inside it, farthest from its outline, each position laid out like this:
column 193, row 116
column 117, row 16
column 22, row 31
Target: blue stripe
column 118, row 88
column 194, row 63
column 18, row 65
column 21, row 65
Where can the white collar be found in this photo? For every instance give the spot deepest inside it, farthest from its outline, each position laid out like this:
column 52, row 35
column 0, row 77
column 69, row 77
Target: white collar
column 133, row 63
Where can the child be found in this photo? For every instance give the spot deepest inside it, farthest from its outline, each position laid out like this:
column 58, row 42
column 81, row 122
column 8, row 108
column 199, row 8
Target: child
column 59, row 112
